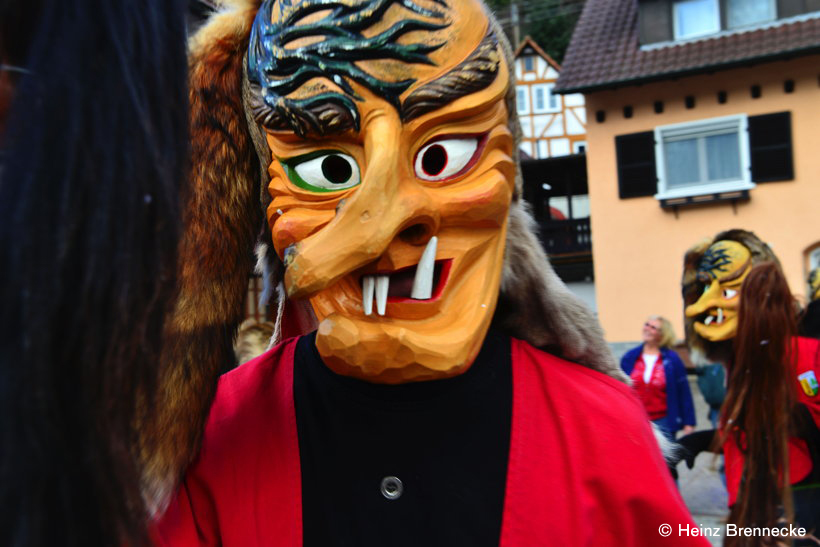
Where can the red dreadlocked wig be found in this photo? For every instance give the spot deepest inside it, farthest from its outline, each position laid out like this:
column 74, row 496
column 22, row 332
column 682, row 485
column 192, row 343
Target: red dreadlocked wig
column 760, row 400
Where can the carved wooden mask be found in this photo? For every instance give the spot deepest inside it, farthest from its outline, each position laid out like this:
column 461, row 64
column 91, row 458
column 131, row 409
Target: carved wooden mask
column 392, row 175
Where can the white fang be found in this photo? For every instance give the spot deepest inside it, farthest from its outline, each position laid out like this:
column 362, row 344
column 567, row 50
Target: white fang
column 382, row 286
column 368, row 285
column 720, row 315
column 423, row 282
column 709, row 320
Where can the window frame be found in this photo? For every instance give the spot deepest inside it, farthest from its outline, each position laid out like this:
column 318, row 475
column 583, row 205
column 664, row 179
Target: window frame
column 522, row 109
column 548, row 94
column 695, row 129
column 718, row 21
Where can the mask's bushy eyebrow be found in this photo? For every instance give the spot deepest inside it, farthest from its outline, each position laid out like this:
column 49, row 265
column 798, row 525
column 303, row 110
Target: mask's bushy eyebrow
column 475, row 73
column 276, row 71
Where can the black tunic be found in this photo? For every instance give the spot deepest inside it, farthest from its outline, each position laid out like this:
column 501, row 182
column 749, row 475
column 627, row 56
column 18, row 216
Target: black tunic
column 447, row 441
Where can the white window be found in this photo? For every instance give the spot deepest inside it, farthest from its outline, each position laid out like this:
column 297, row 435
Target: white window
column 693, row 18
column 528, row 63
column 580, row 206
column 522, row 101
column 543, row 99
column 543, row 149
column 703, row 157
column 743, row 13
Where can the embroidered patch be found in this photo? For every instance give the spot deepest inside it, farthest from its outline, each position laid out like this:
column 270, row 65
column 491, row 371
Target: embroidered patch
column 808, row 381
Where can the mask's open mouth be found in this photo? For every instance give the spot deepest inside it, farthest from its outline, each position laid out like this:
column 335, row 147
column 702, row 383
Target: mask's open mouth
column 714, row 316
column 424, row 281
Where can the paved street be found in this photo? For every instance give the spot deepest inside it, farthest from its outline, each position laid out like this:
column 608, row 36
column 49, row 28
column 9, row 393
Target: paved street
column 701, row 487
column 704, row 493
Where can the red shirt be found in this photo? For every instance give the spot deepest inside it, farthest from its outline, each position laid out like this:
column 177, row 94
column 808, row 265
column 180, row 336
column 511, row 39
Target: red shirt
column 584, row 467
column 800, row 464
column 653, row 393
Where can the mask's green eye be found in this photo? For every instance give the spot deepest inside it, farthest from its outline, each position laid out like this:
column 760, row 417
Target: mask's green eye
column 323, row 171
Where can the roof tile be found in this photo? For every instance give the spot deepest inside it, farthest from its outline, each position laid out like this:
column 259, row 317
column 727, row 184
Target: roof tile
column 604, row 50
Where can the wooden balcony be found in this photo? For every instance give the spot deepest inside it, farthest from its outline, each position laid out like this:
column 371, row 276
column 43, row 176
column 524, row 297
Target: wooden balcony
column 569, row 246
column 560, row 237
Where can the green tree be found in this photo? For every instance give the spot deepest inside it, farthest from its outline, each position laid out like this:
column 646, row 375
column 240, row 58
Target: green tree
column 549, row 22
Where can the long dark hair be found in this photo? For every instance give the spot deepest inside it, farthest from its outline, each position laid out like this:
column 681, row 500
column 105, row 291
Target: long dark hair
column 91, row 176
column 760, row 398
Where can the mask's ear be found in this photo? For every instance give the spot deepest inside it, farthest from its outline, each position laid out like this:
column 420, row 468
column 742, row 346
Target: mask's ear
column 222, row 218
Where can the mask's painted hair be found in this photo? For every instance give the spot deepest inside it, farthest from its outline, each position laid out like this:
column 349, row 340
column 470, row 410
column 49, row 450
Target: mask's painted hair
column 90, row 186
column 760, row 398
column 277, row 71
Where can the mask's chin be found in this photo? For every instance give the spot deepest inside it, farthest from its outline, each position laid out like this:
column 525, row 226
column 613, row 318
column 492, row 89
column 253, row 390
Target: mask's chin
column 415, row 340
column 393, row 354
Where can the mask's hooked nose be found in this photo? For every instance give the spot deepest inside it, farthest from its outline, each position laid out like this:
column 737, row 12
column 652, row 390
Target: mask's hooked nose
column 387, row 205
column 705, row 301
column 419, row 230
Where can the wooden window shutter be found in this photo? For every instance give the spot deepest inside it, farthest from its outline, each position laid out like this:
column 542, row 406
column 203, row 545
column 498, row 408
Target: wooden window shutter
column 770, row 147
column 636, row 165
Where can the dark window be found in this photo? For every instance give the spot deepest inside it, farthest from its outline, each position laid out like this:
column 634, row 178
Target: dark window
column 655, row 21
column 636, row 164
column 656, row 18
column 528, row 63
column 770, row 147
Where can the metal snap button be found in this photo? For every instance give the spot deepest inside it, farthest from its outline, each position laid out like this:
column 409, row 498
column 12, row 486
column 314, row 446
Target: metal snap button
column 392, row 488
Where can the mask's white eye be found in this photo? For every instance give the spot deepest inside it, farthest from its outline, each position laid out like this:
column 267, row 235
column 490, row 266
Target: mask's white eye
column 323, row 171
column 446, row 158
column 729, row 293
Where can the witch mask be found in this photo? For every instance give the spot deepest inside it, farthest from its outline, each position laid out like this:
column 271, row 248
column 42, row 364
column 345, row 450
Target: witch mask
column 391, row 176
column 714, row 272
column 722, row 270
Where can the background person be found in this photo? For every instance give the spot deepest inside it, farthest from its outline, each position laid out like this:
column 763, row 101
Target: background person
column 659, row 378
column 739, row 311
column 772, row 410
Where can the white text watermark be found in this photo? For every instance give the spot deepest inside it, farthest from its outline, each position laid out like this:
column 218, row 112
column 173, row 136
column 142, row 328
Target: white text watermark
column 731, row 530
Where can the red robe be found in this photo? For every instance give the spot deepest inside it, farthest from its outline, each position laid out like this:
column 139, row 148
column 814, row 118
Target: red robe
column 584, row 467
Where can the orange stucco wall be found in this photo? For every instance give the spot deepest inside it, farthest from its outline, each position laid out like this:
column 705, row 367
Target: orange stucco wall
column 638, row 247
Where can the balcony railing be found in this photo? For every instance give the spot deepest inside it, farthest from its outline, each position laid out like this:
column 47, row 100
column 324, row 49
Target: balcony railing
column 561, row 237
